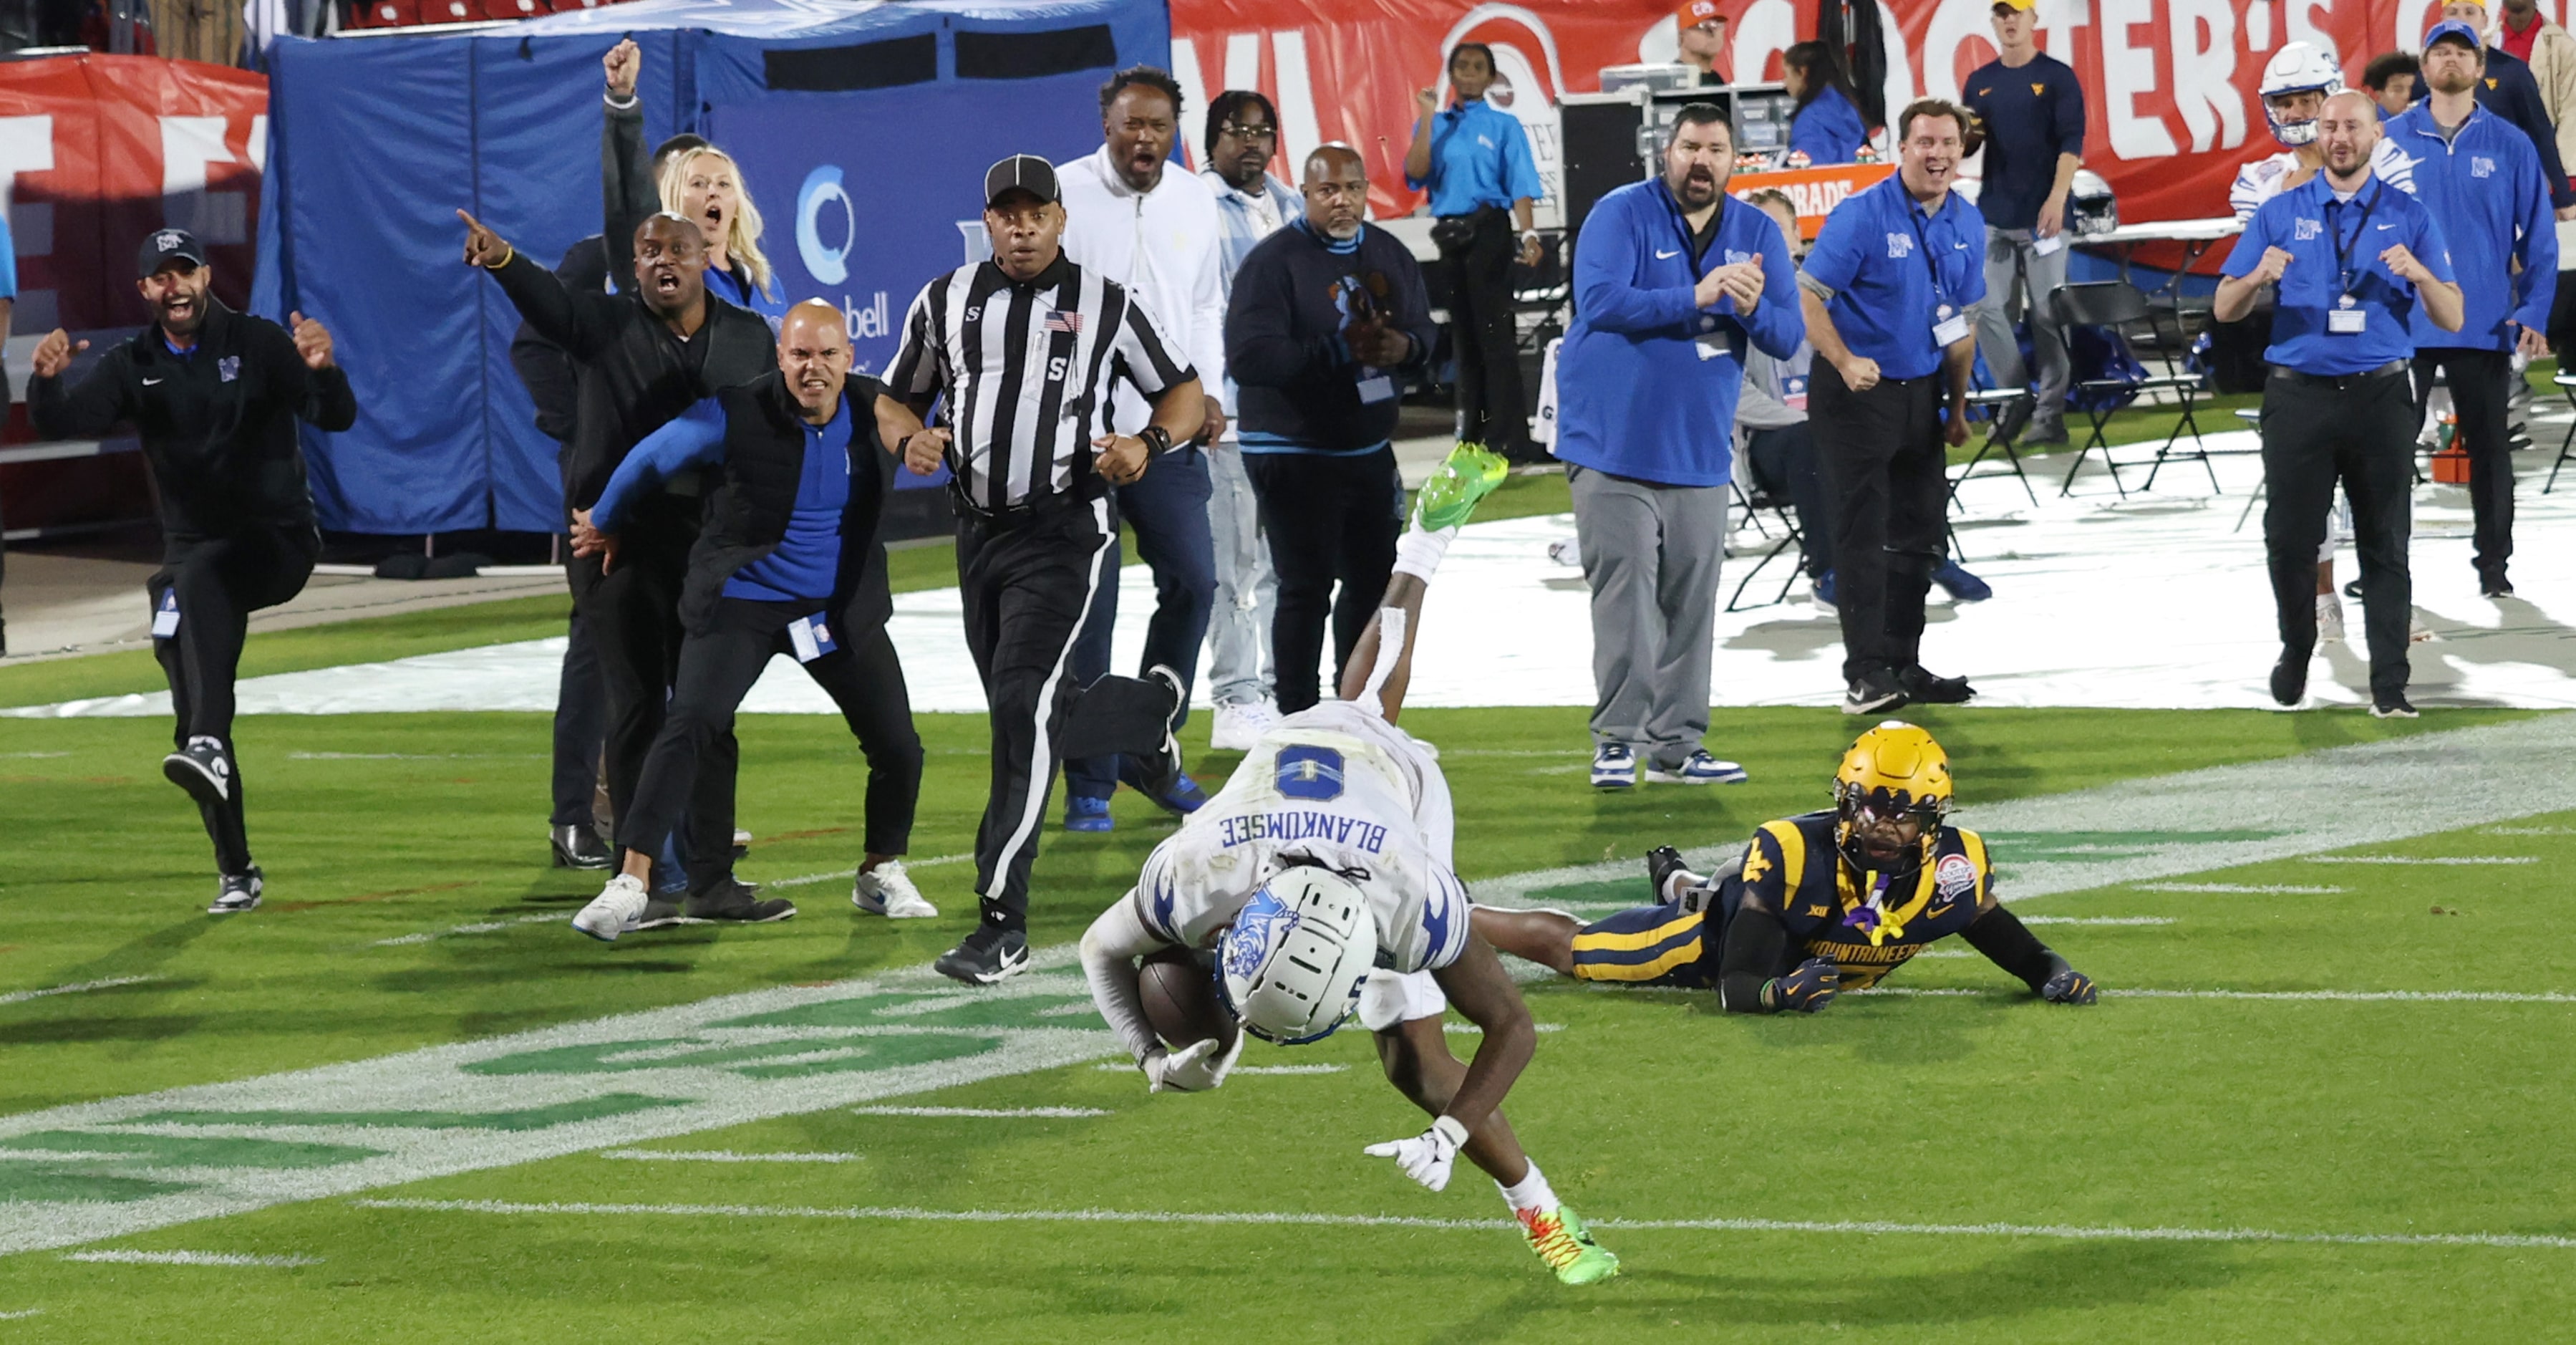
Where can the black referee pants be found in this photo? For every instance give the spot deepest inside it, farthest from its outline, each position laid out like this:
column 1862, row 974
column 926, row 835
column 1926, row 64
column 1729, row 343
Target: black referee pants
column 1483, row 336
column 1330, row 520
column 717, row 669
column 219, row 582
column 633, row 612
column 1882, row 459
column 1028, row 579
column 2360, row 431
column 2480, row 381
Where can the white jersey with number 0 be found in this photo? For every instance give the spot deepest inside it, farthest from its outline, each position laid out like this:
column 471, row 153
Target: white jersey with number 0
column 1339, row 785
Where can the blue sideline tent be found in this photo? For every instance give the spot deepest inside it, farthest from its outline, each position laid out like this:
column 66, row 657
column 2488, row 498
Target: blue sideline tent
column 863, row 130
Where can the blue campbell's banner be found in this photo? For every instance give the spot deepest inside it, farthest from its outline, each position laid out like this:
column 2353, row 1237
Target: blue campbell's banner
column 862, row 133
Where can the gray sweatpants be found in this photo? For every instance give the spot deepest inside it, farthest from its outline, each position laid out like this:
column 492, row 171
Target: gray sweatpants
column 2019, row 278
column 1247, row 590
column 1651, row 554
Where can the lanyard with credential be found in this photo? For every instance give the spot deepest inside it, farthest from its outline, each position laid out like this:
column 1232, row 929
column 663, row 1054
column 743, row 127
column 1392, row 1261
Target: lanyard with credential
column 1949, row 325
column 2343, row 250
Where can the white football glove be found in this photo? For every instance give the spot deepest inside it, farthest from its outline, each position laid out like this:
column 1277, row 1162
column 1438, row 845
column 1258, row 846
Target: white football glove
column 1426, row 1157
column 1194, row 1068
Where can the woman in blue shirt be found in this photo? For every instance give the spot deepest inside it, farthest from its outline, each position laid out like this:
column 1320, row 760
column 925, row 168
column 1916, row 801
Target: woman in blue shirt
column 1475, row 161
column 1827, row 123
column 701, row 185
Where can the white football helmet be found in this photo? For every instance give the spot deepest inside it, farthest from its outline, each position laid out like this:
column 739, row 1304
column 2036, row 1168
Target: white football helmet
column 2298, row 67
column 1292, row 964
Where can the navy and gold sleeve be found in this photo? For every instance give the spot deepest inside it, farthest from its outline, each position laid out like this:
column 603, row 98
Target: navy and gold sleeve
column 1775, row 864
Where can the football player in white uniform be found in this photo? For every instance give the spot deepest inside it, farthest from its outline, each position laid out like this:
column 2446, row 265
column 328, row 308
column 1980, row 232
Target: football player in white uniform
column 1319, row 879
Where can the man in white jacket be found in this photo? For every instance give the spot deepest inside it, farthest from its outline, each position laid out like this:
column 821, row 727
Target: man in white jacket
column 1134, row 217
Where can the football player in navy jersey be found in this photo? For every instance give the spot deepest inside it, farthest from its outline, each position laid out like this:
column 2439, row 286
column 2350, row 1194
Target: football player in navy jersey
column 1819, row 903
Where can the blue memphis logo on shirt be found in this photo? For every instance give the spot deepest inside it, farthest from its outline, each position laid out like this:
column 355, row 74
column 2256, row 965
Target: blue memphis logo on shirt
column 2481, row 166
column 1900, row 245
column 2306, row 229
column 1301, row 825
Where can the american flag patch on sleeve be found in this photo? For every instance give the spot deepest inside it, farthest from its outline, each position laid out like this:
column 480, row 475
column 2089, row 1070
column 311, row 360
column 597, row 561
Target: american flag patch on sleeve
column 1057, row 321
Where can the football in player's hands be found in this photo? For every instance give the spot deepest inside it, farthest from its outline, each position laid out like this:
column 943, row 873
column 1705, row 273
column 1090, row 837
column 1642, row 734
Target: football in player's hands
column 1181, row 1004
column 1810, row 987
column 2069, row 987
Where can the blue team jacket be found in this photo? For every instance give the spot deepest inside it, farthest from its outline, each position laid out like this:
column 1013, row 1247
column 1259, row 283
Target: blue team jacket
column 1646, row 381
column 2486, row 190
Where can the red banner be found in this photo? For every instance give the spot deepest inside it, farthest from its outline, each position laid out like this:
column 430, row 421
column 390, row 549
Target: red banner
column 97, row 151
column 2170, row 82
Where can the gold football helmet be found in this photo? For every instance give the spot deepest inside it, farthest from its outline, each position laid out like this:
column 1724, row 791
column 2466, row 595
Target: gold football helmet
column 1893, row 775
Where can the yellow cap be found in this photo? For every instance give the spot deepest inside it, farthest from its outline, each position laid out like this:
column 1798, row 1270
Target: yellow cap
column 2016, row 4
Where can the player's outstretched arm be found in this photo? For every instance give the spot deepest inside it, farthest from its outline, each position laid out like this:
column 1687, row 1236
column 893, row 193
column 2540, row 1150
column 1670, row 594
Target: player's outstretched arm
column 1479, row 989
column 1756, row 942
column 2009, row 944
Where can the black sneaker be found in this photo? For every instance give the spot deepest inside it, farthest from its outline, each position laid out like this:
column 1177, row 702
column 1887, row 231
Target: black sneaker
column 989, row 955
column 203, row 769
column 1662, row 863
column 2392, row 707
column 1922, row 688
column 1872, row 692
column 728, row 902
column 577, row 846
column 662, row 913
column 238, row 892
column 2289, row 681
column 2495, row 585
column 2352, row 590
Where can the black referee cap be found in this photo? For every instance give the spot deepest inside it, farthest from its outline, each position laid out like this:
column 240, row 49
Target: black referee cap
column 1021, row 172
column 162, row 246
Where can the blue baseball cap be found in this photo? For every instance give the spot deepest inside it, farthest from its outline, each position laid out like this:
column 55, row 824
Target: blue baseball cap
column 2453, row 28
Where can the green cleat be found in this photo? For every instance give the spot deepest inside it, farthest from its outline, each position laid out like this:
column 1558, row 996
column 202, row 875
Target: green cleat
column 1470, row 474
column 1561, row 1240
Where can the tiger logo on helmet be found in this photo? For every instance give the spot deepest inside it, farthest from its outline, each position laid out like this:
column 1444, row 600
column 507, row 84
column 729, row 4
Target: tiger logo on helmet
column 1895, row 769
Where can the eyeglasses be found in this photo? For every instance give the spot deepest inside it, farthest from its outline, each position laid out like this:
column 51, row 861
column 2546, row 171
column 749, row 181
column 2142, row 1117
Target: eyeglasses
column 1242, row 132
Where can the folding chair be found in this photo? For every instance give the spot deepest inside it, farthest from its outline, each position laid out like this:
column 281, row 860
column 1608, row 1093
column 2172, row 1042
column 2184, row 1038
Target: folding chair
column 1994, row 401
column 2116, row 304
column 1791, row 541
column 2566, row 446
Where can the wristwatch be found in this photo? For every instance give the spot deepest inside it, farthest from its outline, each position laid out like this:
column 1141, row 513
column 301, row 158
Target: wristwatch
column 1158, row 441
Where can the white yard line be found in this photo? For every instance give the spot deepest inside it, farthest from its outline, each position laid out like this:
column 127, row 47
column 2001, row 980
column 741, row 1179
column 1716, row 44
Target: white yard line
column 1256, row 1218
column 109, row 983
column 721, row 1156
column 2096, row 920
column 21, row 1314
column 478, row 927
column 1121, row 1067
column 980, row 1111
column 112, row 1256
column 2423, row 859
column 809, row 879
column 2251, row 889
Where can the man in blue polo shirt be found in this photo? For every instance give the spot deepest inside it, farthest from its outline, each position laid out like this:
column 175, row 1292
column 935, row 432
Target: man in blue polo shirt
column 1671, row 283
column 1886, row 292
column 1475, row 160
column 2030, row 112
column 2481, row 179
column 2355, row 260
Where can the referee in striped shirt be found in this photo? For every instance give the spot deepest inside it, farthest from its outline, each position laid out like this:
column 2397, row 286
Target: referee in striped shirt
column 1019, row 353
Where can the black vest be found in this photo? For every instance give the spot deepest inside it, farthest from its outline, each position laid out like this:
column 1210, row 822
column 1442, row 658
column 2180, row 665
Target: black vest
column 755, row 494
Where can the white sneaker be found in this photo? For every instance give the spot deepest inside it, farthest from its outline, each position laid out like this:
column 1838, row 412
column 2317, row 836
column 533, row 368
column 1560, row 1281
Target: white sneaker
column 1614, row 767
column 1238, row 728
column 618, row 909
column 2329, row 617
column 886, row 890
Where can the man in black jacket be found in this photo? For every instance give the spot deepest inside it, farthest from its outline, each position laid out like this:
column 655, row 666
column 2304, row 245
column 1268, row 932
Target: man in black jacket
column 581, row 720
column 641, row 359
column 788, row 563
column 214, row 395
column 1327, row 320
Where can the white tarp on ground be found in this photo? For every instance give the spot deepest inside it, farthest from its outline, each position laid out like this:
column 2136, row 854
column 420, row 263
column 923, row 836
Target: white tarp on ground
column 2159, row 601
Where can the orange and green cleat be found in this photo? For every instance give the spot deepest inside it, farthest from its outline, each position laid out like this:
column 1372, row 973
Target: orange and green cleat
column 1561, row 1240
column 1469, row 474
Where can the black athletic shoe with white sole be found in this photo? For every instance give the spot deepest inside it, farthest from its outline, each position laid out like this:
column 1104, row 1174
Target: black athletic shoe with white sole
column 988, row 955
column 1662, row 863
column 238, row 892
column 203, row 769
column 2392, row 707
column 1873, row 692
